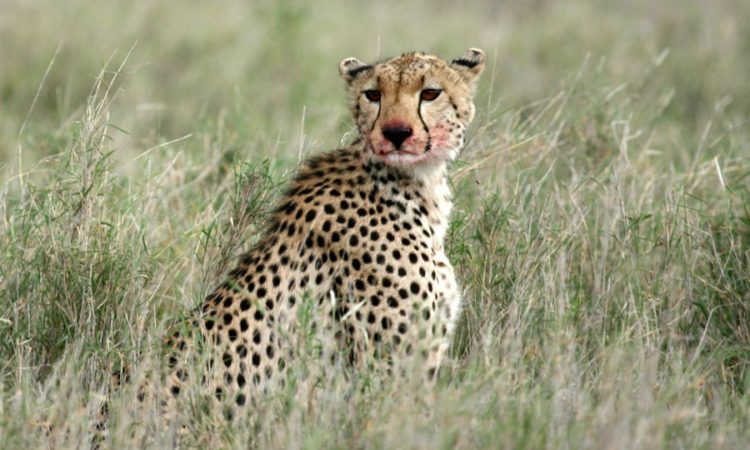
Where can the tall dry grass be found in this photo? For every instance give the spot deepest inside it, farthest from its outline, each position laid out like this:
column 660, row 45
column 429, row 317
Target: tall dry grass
column 601, row 227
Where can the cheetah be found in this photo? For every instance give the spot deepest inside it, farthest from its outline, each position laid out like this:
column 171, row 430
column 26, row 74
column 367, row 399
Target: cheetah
column 358, row 233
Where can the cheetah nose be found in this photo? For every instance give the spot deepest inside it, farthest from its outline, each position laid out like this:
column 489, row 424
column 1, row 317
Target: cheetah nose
column 397, row 133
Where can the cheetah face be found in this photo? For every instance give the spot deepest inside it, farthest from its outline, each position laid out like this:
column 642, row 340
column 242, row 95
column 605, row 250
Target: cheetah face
column 413, row 110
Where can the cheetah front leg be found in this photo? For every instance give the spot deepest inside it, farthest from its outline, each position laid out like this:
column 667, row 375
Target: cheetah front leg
column 448, row 308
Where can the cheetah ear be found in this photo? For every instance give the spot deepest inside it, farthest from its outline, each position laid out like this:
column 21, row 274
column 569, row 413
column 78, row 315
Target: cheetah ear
column 351, row 67
column 470, row 65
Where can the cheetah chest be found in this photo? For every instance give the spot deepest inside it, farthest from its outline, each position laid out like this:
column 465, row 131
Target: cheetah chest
column 396, row 286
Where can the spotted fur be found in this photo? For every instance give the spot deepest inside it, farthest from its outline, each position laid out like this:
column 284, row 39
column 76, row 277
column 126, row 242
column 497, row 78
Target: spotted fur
column 359, row 231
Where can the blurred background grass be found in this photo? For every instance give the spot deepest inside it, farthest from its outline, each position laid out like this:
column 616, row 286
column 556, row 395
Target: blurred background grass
column 262, row 65
column 601, row 228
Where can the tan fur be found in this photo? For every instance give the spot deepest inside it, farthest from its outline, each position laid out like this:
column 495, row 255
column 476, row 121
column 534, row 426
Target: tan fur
column 360, row 232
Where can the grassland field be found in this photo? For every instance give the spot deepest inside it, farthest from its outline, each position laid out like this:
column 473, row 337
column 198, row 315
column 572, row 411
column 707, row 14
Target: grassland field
column 601, row 231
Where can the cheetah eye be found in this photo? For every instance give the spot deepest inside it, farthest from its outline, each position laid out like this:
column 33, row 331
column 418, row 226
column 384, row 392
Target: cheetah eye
column 430, row 94
column 372, row 95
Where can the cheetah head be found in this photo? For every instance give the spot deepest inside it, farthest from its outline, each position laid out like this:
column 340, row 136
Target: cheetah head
column 413, row 110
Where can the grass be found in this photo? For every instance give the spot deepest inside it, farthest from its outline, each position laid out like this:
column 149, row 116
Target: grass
column 601, row 229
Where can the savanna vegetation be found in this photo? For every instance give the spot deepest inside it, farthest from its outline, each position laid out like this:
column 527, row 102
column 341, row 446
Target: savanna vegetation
column 601, row 229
